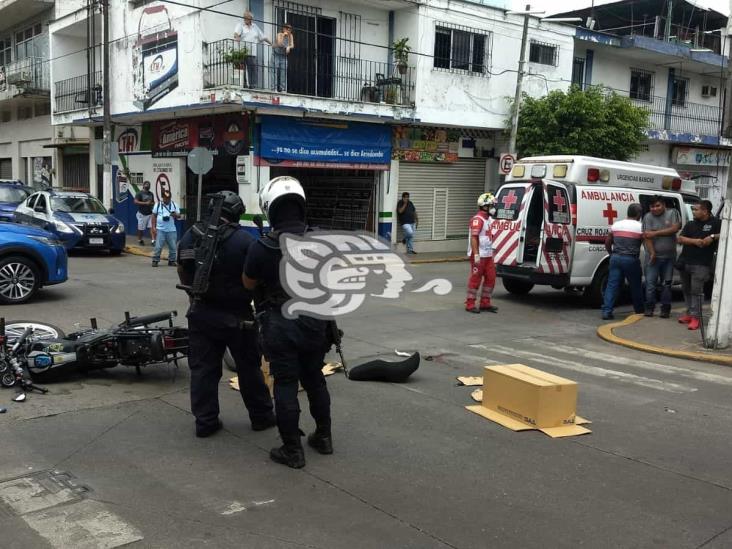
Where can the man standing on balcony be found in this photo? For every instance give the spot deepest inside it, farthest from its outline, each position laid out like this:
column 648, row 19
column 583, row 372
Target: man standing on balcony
column 284, row 43
column 250, row 33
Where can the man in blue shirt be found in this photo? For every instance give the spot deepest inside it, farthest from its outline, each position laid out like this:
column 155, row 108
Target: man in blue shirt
column 164, row 215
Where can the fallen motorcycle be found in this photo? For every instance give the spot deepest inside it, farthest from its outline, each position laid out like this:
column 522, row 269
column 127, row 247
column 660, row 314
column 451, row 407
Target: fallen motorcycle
column 42, row 349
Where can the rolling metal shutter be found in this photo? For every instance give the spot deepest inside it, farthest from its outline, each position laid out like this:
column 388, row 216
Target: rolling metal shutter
column 6, row 168
column 445, row 195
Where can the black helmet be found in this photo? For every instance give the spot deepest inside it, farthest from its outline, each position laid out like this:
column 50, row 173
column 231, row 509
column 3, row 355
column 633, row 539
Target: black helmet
column 232, row 208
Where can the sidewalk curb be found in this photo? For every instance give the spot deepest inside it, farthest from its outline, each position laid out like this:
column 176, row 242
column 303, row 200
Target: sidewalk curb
column 438, row 260
column 137, row 250
column 606, row 332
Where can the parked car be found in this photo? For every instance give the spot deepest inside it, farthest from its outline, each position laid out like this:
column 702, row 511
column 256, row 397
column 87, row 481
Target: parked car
column 29, row 259
column 12, row 193
column 78, row 219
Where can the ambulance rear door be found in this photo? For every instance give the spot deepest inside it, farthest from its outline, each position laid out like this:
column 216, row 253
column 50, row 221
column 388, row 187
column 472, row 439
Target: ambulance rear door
column 557, row 235
column 508, row 226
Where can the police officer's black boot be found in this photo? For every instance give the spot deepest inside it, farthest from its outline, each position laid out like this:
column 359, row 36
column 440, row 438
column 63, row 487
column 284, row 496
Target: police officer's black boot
column 649, row 309
column 665, row 311
column 290, row 453
column 321, row 441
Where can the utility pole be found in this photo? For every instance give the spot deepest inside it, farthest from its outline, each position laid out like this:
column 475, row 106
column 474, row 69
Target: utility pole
column 720, row 324
column 519, row 83
column 107, row 197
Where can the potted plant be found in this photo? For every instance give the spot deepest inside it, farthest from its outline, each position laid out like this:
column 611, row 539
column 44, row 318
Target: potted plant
column 401, row 54
column 237, row 57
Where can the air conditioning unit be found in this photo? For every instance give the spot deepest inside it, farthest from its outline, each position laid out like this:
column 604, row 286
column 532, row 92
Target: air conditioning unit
column 20, row 78
column 709, row 91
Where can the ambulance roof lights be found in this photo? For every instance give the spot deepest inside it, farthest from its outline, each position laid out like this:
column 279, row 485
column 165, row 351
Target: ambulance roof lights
column 676, row 183
column 593, row 175
column 538, row 171
column 604, row 176
column 518, row 170
column 669, row 183
column 560, row 170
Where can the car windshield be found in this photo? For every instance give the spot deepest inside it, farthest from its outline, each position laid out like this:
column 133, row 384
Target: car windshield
column 77, row 204
column 13, row 195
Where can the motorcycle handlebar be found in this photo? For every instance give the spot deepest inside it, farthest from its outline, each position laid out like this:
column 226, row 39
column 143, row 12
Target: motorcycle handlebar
column 18, row 342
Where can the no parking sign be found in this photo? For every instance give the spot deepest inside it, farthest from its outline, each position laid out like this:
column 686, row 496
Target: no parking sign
column 506, row 163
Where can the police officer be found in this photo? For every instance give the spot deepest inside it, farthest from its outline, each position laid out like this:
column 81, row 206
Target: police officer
column 221, row 318
column 295, row 348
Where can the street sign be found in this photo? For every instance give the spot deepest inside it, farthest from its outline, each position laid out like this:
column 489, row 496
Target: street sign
column 200, row 160
column 506, row 163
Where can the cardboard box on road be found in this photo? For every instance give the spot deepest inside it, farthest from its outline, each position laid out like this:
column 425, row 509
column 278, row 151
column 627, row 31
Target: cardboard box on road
column 523, row 398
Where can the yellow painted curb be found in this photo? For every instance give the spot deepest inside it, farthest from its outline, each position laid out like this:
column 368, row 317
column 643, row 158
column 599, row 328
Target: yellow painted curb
column 136, row 250
column 606, row 332
column 438, row 260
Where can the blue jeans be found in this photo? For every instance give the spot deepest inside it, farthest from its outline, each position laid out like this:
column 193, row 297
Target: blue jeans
column 623, row 267
column 171, row 239
column 409, row 229
column 663, row 267
column 279, row 76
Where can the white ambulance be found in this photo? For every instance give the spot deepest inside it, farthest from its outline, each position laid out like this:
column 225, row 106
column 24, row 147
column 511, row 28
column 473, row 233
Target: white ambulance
column 554, row 212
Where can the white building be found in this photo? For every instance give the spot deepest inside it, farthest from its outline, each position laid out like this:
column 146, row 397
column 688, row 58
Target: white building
column 674, row 67
column 24, row 90
column 352, row 125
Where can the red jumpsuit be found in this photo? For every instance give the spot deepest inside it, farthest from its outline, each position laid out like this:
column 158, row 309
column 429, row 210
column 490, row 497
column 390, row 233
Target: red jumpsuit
column 485, row 270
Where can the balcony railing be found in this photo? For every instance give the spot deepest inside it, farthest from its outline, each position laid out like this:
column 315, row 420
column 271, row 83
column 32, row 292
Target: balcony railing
column 693, row 118
column 78, row 93
column 29, row 76
column 315, row 73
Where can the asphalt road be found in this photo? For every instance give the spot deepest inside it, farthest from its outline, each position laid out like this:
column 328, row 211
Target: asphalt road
column 110, row 459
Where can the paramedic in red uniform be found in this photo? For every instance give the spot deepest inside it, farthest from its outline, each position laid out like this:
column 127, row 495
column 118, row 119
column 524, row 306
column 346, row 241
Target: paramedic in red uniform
column 623, row 243
column 480, row 250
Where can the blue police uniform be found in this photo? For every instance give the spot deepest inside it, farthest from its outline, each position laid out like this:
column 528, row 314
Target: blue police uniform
column 223, row 318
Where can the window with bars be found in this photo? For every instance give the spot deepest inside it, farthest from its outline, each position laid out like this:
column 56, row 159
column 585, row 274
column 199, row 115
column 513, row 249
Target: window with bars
column 542, row 53
column 6, row 49
column 43, row 109
column 680, row 92
column 350, row 33
column 462, row 49
column 641, row 85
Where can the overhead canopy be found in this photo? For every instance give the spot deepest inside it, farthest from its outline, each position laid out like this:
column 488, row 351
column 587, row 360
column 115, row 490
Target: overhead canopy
column 617, row 16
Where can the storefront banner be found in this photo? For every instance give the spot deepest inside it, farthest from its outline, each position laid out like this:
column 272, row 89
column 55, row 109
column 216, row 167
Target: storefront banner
column 223, row 134
column 425, row 144
column 296, row 140
column 710, row 158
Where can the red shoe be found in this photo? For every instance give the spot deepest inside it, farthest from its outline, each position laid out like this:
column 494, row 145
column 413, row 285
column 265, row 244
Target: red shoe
column 685, row 319
column 694, row 323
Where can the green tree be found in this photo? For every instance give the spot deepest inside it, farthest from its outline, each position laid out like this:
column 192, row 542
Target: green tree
column 593, row 122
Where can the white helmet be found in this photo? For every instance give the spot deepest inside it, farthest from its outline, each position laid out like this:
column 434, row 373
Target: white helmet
column 486, row 199
column 277, row 188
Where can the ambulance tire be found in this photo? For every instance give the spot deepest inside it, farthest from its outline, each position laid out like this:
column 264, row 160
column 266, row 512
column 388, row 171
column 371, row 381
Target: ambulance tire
column 516, row 287
column 594, row 292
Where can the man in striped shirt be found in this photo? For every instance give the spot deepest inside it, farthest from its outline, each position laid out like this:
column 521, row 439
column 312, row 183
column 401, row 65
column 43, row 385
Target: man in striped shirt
column 623, row 243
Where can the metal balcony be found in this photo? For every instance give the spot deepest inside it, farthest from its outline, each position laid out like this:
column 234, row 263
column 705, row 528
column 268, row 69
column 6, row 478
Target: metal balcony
column 78, row 93
column 26, row 77
column 317, row 74
column 681, row 116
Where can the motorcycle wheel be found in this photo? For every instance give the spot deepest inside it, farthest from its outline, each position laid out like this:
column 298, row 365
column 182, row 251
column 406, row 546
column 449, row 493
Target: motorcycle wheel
column 15, row 328
column 7, row 379
column 229, row 361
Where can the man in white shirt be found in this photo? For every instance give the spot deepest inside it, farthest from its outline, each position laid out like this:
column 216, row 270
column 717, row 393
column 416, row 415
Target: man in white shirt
column 249, row 33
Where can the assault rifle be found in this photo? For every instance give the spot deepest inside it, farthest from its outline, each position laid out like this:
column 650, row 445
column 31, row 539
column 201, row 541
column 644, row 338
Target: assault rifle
column 336, row 336
column 207, row 235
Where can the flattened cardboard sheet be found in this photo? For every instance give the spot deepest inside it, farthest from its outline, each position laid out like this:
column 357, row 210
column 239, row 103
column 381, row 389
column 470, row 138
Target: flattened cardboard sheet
column 554, row 432
column 470, row 381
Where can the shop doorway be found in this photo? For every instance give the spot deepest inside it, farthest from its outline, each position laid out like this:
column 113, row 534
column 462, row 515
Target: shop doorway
column 337, row 199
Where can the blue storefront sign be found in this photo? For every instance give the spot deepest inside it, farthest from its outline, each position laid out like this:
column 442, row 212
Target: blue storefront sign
column 288, row 141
